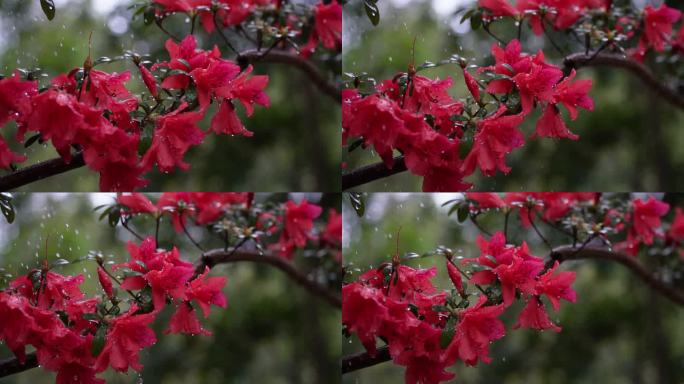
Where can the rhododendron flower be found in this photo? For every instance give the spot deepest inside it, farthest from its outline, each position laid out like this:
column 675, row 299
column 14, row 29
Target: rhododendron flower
column 185, row 57
column 169, row 281
column 496, row 136
column 136, row 203
column 149, row 80
column 557, row 286
column 298, row 224
column 677, row 228
column 486, row 200
column 534, row 316
column 498, row 8
column 518, row 275
column 363, row 312
column 14, row 97
column 455, row 276
column 184, row 320
column 646, row 218
column 472, row 85
column 328, row 25
column 55, row 290
column 227, row 122
column 478, row 326
column 105, row 282
column 574, row 94
column 7, row 157
column 248, row 90
column 551, row 124
column 176, row 133
column 126, row 336
column 206, row 291
column 658, row 24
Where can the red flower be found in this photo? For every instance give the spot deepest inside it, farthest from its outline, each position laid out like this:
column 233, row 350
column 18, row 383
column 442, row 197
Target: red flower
column 551, row 124
column 206, row 291
column 105, row 282
column 478, row 326
column 208, row 80
column 498, row 8
column 15, row 96
column 17, row 324
column 676, row 231
column 297, row 227
column 537, row 85
column 176, row 132
column 646, row 219
column 149, row 80
column 184, row 320
column 574, row 95
column 557, row 286
column 136, row 203
column 658, row 24
column 185, row 57
column 518, row 275
column 169, row 281
column 363, row 312
column 333, row 230
column 55, row 290
column 7, row 157
column 496, row 136
column 127, row 335
column 328, row 25
column 248, row 90
column 486, row 200
column 534, row 316
column 472, row 85
column 227, row 122
column 455, row 276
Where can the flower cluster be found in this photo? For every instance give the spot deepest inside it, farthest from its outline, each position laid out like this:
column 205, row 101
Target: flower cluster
column 427, row 331
column 276, row 19
column 78, row 337
column 417, row 117
column 293, row 222
column 651, row 28
column 92, row 112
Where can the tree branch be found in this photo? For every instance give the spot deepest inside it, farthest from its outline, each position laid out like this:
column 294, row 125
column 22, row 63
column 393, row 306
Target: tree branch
column 581, row 60
column 362, row 360
column 567, row 252
column 39, row 171
column 372, row 172
column 12, row 366
column 219, row 256
column 305, row 65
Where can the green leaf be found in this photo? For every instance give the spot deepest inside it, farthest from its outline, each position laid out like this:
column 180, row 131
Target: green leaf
column 7, row 207
column 99, row 340
column 372, row 11
column 32, row 140
column 448, row 332
column 114, row 216
column 463, row 212
column 357, row 203
column 48, row 8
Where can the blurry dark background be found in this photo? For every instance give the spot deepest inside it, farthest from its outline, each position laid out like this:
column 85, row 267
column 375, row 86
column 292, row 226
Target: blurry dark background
column 272, row 332
column 296, row 142
column 633, row 140
column 617, row 332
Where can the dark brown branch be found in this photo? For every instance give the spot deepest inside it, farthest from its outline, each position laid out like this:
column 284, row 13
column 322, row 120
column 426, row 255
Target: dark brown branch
column 220, row 256
column 568, row 252
column 580, row 60
column 12, row 366
column 39, row 171
column 364, row 360
column 372, row 172
column 305, row 65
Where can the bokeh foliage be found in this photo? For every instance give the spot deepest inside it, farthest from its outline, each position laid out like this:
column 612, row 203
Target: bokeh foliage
column 273, row 331
column 619, row 331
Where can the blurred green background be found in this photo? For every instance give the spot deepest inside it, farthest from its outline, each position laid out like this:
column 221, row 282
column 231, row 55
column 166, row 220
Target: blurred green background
column 296, row 142
column 632, row 141
column 618, row 332
column 272, row 332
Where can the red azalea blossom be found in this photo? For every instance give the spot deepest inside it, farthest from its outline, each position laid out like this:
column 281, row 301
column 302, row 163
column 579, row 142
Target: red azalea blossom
column 298, row 224
column 557, row 286
column 136, row 203
column 206, row 291
column 105, row 281
column 658, row 24
column 534, row 316
column 127, row 335
column 478, row 326
column 184, row 320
